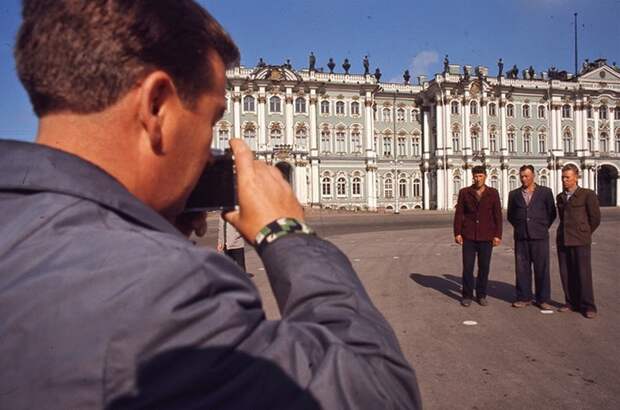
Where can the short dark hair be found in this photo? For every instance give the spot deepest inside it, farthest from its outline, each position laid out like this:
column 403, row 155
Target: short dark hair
column 524, row 167
column 479, row 169
column 571, row 167
column 83, row 55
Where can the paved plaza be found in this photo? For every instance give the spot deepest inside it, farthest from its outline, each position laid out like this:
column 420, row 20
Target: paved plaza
column 512, row 358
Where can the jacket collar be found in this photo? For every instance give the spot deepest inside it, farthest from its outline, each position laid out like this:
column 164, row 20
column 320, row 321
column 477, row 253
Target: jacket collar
column 472, row 191
column 32, row 167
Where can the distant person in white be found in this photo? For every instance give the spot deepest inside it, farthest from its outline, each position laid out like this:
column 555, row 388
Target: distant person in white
column 230, row 241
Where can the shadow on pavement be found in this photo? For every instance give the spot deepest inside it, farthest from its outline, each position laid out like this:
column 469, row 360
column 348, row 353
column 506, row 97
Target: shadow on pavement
column 450, row 285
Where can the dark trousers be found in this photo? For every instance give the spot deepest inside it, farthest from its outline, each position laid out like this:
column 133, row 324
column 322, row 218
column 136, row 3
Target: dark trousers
column 576, row 274
column 238, row 255
column 532, row 253
column 483, row 250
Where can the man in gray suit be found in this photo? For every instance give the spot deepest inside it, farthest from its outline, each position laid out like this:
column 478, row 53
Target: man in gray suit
column 531, row 211
column 580, row 215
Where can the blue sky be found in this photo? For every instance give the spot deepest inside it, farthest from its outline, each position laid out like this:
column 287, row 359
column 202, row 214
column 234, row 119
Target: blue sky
column 395, row 34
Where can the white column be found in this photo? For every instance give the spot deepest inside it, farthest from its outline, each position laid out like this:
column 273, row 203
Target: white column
column 301, row 187
column 485, row 125
column 371, row 191
column 368, row 124
column 262, row 125
column 439, row 121
column 505, row 187
column 450, row 190
column 502, row 126
column 559, row 140
column 467, row 178
column 427, row 190
column 426, row 131
column 554, row 124
column 585, row 178
column 579, row 134
column 596, row 130
column 441, row 203
column 612, row 135
column 592, row 178
column 466, row 140
column 315, row 180
column 447, row 128
column 289, row 135
column 237, row 112
column 313, row 123
column 618, row 191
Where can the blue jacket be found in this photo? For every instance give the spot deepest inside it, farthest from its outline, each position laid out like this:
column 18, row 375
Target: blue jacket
column 104, row 304
column 533, row 221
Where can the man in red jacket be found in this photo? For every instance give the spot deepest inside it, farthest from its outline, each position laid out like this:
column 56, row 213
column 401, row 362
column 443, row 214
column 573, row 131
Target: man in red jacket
column 478, row 228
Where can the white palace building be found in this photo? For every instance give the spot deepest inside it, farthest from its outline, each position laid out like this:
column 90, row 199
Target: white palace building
column 349, row 141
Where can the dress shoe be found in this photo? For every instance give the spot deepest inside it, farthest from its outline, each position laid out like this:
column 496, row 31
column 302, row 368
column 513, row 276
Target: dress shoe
column 466, row 302
column 483, row 301
column 544, row 306
column 520, row 304
column 590, row 314
column 565, row 308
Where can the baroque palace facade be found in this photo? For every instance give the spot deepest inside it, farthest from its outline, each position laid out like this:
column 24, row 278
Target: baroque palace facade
column 349, row 141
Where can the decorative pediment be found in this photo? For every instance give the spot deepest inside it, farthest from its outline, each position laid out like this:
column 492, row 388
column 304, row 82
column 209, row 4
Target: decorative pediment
column 275, row 73
column 604, row 74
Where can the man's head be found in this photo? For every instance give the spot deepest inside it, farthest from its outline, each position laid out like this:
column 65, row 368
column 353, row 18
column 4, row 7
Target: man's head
column 132, row 86
column 526, row 174
column 570, row 177
column 479, row 174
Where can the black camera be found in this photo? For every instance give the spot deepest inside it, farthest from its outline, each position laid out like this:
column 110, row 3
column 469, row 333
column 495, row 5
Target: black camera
column 217, row 186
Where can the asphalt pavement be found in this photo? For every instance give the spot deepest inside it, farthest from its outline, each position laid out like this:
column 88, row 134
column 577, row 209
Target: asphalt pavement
column 506, row 358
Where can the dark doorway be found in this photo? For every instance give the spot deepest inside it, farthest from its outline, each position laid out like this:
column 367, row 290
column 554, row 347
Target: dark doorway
column 606, row 185
column 286, row 170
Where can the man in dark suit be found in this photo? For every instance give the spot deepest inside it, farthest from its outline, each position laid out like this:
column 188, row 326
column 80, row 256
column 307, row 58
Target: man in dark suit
column 478, row 228
column 580, row 215
column 531, row 211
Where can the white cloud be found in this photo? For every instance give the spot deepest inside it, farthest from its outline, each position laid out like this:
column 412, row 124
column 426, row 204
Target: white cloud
column 422, row 62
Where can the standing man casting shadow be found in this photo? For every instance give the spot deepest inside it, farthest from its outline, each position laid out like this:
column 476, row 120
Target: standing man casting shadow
column 580, row 215
column 478, row 228
column 531, row 212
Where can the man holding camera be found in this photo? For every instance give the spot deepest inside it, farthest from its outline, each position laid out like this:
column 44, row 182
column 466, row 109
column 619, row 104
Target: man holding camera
column 104, row 302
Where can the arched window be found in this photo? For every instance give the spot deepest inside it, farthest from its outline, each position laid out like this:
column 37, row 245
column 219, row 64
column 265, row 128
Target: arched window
column 475, row 141
column 387, row 114
column 249, row 136
column 527, row 142
column 356, row 141
column 512, row 182
column 604, row 142
column 275, row 136
column 456, row 184
column 493, row 141
column 543, row 180
column 568, row 142
column 248, row 103
column 341, row 146
column 402, row 188
column 542, row 143
column 400, row 115
column 473, row 108
column 339, row 108
column 542, row 112
column 590, row 140
column 415, row 145
column 617, row 113
column 602, row 114
column 275, row 104
column 326, row 186
column 617, row 145
column 589, row 111
column 300, row 105
column 301, row 137
column 566, row 111
column 526, row 111
column 417, row 188
column 512, row 147
column 224, row 136
column 356, row 186
column 387, row 146
column 388, row 188
column 494, row 182
column 454, row 107
column 456, row 141
column 510, row 110
column 355, row 108
column 492, row 109
column 325, row 107
column 402, row 146
column 415, row 115
column 341, row 186
column 325, row 141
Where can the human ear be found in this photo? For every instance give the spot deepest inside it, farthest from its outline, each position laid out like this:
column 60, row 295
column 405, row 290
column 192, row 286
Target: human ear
column 155, row 91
